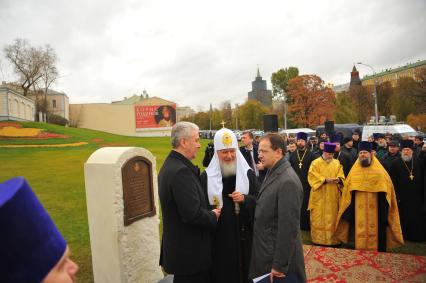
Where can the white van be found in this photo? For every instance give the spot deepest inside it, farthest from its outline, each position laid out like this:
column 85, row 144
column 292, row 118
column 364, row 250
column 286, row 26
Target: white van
column 310, row 132
column 399, row 130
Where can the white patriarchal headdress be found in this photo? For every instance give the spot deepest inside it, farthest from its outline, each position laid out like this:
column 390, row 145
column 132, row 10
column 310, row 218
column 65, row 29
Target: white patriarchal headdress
column 224, row 139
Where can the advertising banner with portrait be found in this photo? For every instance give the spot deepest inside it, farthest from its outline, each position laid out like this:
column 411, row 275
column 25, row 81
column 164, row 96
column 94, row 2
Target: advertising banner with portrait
column 157, row 116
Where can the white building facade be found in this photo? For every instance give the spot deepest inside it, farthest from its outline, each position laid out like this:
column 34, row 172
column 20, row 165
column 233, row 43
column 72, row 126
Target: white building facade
column 15, row 106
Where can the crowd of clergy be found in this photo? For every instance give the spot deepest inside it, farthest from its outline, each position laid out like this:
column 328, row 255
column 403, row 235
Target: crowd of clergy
column 242, row 217
column 367, row 195
column 372, row 192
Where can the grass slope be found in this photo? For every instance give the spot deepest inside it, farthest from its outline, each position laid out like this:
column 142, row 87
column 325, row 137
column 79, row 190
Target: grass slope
column 57, row 177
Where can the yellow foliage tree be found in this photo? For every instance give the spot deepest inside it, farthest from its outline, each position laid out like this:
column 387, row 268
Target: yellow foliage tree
column 250, row 114
column 418, row 122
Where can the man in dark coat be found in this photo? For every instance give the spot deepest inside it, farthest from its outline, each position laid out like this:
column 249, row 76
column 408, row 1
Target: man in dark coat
column 208, row 154
column 355, row 140
column 187, row 219
column 392, row 154
column 349, row 149
column 313, row 143
column 418, row 145
column 318, row 152
column 301, row 160
column 382, row 148
column 408, row 173
column 277, row 243
column 249, row 151
column 232, row 185
column 344, row 158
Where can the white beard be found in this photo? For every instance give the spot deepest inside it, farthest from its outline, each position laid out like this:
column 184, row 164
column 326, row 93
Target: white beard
column 406, row 158
column 228, row 169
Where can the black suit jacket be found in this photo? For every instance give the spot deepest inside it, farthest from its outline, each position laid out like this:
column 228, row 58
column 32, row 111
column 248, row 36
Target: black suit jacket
column 247, row 157
column 345, row 160
column 187, row 220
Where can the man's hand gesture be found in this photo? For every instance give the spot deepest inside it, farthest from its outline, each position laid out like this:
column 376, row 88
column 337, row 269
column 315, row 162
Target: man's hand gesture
column 237, row 196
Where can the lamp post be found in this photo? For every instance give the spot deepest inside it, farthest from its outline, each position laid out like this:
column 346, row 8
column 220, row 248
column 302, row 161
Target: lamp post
column 375, row 93
column 285, row 111
column 236, row 116
column 210, row 120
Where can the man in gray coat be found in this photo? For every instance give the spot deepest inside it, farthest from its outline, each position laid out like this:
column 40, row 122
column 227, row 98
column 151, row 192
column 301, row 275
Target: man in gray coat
column 277, row 243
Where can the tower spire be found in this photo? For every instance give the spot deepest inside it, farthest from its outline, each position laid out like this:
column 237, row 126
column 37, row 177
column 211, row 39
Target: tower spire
column 258, row 72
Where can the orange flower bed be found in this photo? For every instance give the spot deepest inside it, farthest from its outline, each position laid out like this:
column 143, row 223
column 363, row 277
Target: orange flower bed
column 45, row 145
column 10, row 124
column 12, row 133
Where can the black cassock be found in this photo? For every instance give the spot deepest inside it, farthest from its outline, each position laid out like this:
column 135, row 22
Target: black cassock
column 410, row 195
column 227, row 251
column 303, row 176
column 345, row 160
column 387, row 160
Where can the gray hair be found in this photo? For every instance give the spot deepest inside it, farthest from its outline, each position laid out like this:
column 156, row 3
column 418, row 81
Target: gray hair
column 182, row 130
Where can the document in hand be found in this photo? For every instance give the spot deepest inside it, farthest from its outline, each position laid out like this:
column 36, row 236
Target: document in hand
column 289, row 278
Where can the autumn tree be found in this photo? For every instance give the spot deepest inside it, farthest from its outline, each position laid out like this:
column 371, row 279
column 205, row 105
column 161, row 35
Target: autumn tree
column 345, row 112
column 250, row 114
column 412, row 91
column 419, row 95
column 363, row 103
column 49, row 71
column 280, row 80
column 277, row 108
column 27, row 62
column 310, row 101
column 226, row 113
column 404, row 101
column 417, row 121
column 202, row 119
column 384, row 98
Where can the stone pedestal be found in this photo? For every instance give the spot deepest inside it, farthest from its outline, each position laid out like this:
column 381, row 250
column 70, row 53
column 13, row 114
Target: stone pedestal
column 124, row 225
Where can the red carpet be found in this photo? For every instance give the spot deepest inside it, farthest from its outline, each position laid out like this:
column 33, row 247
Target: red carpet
column 342, row 265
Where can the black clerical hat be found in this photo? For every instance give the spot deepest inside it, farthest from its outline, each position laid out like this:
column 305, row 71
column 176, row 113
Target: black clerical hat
column 407, row 144
column 365, row 145
column 346, row 140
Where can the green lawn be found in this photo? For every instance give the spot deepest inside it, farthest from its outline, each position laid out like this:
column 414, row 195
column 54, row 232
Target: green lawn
column 57, row 177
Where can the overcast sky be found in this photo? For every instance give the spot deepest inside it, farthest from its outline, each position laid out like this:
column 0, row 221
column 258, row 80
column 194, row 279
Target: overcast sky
column 197, row 52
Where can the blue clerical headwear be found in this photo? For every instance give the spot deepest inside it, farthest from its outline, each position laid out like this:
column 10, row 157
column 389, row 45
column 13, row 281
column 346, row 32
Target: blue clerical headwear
column 30, row 243
column 329, row 147
column 302, row 136
column 377, row 136
column 335, row 138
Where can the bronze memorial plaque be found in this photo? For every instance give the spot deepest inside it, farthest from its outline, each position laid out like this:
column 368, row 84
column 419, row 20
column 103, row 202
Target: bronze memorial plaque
column 137, row 189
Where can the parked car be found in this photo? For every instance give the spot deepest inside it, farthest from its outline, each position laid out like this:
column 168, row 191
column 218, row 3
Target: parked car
column 310, row 132
column 398, row 130
column 238, row 134
column 258, row 133
column 345, row 129
column 207, row 134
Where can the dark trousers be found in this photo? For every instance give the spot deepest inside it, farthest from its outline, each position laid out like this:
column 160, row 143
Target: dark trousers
column 193, row 278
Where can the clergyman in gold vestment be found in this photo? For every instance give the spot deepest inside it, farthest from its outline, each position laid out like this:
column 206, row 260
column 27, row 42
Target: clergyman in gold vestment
column 369, row 204
column 326, row 178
